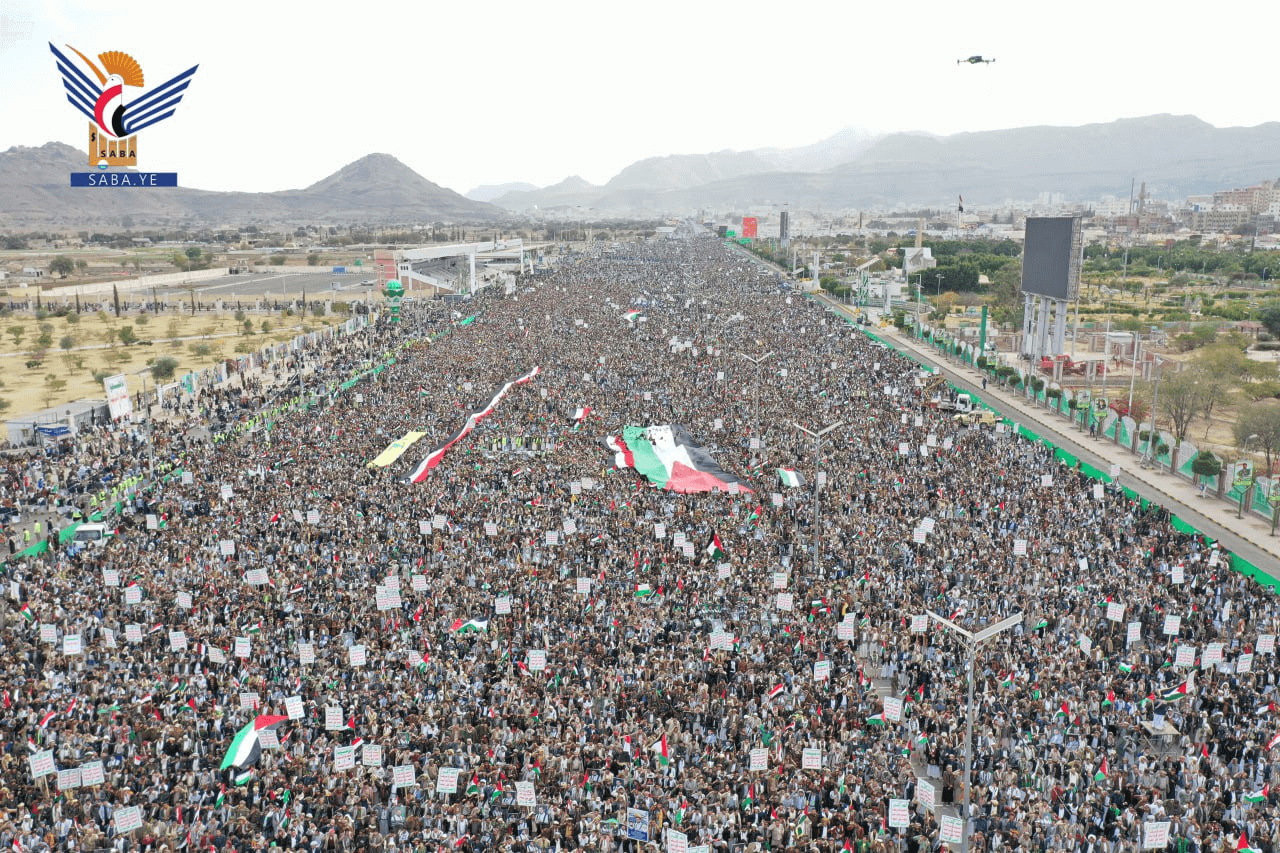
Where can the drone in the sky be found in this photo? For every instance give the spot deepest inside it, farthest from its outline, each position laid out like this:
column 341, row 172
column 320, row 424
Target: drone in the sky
column 975, row 60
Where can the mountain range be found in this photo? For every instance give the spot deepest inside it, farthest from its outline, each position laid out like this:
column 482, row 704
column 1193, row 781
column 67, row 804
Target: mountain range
column 1175, row 156
column 377, row 188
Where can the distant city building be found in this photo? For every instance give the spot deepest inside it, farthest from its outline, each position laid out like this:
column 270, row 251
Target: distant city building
column 784, row 227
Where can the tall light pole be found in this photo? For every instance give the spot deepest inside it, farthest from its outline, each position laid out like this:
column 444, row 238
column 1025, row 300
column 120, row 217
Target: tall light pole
column 972, row 642
column 755, row 413
column 1155, row 413
column 1246, row 487
column 817, row 459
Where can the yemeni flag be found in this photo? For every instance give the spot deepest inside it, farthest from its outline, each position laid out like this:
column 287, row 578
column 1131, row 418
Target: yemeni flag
column 781, row 688
column 1268, row 708
column 1258, row 796
column 1101, row 773
column 435, row 456
column 44, row 721
column 1242, row 846
column 668, row 457
column 246, row 747
column 1179, row 692
column 876, row 720
column 471, row 626
column 790, row 477
column 714, row 551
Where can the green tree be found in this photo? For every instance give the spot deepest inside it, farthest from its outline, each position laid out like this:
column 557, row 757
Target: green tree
column 277, row 260
column 164, row 367
column 53, row 386
column 313, row 259
column 1258, row 425
column 62, row 265
column 127, row 335
column 82, row 265
column 192, row 253
column 67, row 343
column 4, row 405
column 16, row 332
column 73, row 318
column 1269, row 316
column 1181, row 399
column 1206, row 465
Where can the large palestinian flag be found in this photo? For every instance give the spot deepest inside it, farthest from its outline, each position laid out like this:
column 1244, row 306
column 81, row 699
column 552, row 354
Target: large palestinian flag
column 246, row 748
column 433, row 458
column 667, row 457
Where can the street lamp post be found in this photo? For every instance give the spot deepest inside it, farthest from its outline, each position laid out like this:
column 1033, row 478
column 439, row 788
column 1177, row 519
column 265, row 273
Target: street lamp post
column 972, row 643
column 1149, row 455
column 817, row 459
column 755, row 403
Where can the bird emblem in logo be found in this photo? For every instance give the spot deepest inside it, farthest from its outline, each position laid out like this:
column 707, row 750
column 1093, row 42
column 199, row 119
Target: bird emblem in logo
column 115, row 118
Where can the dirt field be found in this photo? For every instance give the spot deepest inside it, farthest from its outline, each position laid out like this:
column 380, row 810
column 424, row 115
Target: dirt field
column 95, row 345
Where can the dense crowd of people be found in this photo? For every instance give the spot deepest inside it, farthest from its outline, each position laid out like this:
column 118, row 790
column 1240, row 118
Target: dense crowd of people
column 528, row 621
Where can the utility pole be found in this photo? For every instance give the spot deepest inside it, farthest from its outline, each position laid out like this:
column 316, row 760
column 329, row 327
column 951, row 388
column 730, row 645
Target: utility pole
column 817, row 519
column 755, row 406
column 972, row 642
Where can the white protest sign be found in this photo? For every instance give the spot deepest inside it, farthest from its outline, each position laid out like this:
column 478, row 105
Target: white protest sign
column 1179, row 575
column 1155, row 834
column 48, row 632
column 1115, row 611
column 524, row 794
column 110, row 577
column 951, row 830
column 537, row 660
column 177, row 640
column 418, row 583
column 153, row 523
column 1244, row 663
column 226, row 492
column 447, row 780
column 313, row 516
column 1172, row 624
column 659, row 531
column 92, row 773
column 242, row 647
column 184, row 600
column 333, row 718
column 925, row 793
column 759, row 758
column 821, row 670
column 357, row 656
column 344, row 757
column 779, row 580
column 72, row 645
column 293, row 707
column 582, row 586
column 41, row 764
column 133, row 594
column 846, row 631
column 1266, row 644
column 133, row 633
column 899, row 814
column 127, row 819
column 892, row 708
column 1133, row 632
column 1019, row 547
column 502, row 605
column 371, row 755
column 920, row 623
column 783, row 601
column 306, row 653
column 227, row 547
column 1185, row 656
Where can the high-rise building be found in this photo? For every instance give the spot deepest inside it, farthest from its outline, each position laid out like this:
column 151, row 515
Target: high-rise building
column 784, row 227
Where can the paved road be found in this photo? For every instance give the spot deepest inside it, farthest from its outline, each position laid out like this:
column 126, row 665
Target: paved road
column 274, row 285
column 1248, row 537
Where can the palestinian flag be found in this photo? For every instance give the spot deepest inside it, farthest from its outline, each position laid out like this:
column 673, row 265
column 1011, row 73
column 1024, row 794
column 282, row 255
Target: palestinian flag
column 470, row 626
column 243, row 777
column 1043, row 623
column 1242, row 846
column 25, row 612
column 1125, row 668
column 1110, row 700
column 222, row 795
column 876, row 720
column 1179, row 692
column 1006, row 680
column 714, row 551
column 1064, row 712
column 1258, row 796
column 1268, row 708
column 581, row 413
column 790, row 477
column 669, row 458
column 631, row 316
column 643, row 590
column 474, row 787
column 1147, row 700
column 661, row 748
column 245, row 748
column 922, row 740
column 434, row 457
column 1101, row 773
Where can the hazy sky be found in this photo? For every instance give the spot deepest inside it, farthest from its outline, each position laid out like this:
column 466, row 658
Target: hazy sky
column 471, row 93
